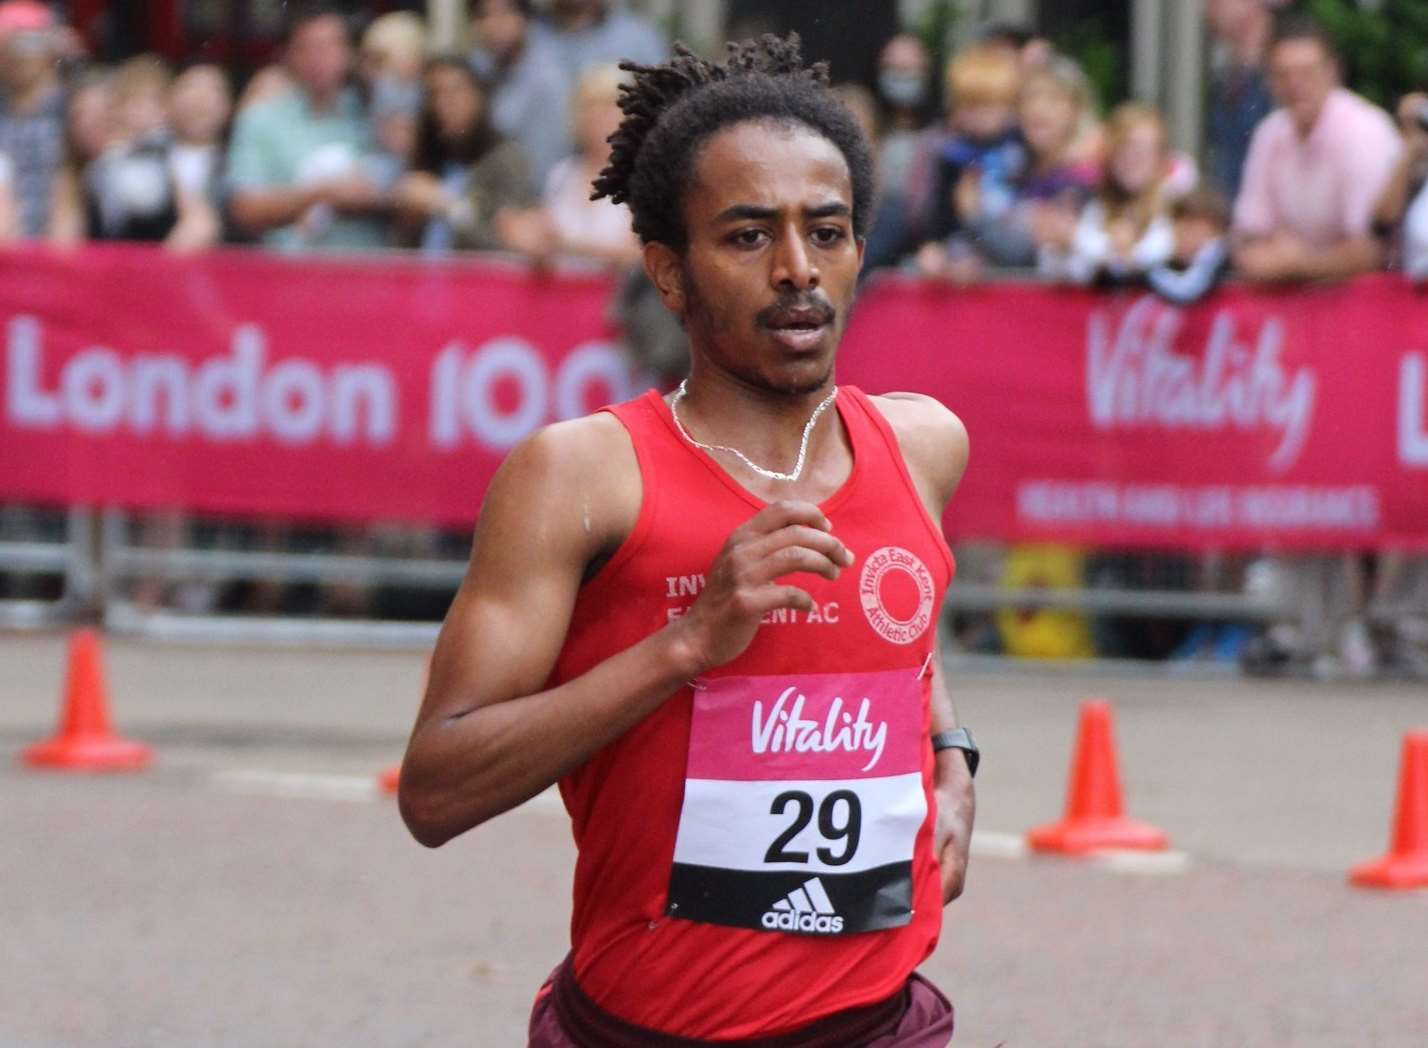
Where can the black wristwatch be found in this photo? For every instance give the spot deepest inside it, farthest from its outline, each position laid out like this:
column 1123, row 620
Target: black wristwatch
column 961, row 739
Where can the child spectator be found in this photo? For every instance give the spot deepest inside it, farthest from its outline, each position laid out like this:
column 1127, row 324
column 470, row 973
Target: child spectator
column 200, row 104
column 469, row 187
column 395, row 112
column 1125, row 230
column 1202, row 248
column 980, row 163
column 393, row 48
column 389, row 64
column 594, row 229
column 1055, row 184
column 128, row 190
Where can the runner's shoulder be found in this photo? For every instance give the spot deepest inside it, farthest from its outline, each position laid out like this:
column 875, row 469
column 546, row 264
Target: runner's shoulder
column 932, row 438
column 581, row 474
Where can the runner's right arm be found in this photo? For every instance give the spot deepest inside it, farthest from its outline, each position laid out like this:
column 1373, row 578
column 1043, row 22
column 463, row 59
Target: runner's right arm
column 490, row 734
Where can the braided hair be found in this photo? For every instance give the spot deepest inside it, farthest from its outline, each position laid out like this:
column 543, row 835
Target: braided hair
column 671, row 109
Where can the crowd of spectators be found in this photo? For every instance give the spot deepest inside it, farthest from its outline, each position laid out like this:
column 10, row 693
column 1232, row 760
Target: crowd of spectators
column 1000, row 162
column 1004, row 163
column 347, row 142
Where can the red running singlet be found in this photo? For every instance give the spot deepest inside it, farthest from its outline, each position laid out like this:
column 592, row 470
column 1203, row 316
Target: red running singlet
column 757, row 852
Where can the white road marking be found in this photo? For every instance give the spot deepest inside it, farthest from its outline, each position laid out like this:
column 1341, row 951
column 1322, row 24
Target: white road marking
column 1157, row 863
column 360, row 788
column 299, row 784
column 998, row 845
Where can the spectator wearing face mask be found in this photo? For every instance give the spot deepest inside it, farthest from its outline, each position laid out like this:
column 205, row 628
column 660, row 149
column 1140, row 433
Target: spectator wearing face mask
column 530, row 91
column 904, row 89
column 31, row 109
column 1125, row 230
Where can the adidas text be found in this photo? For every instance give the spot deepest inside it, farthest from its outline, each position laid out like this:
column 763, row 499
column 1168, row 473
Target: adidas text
column 802, row 922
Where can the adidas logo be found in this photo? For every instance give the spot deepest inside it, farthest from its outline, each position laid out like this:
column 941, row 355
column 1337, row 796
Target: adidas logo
column 805, row 909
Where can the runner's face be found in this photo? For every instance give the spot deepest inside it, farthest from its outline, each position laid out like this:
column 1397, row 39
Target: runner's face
column 771, row 266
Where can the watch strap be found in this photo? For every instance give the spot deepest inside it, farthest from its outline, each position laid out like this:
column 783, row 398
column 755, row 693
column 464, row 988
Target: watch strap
column 959, row 739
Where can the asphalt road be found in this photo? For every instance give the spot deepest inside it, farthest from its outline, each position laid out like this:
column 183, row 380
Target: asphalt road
column 254, row 889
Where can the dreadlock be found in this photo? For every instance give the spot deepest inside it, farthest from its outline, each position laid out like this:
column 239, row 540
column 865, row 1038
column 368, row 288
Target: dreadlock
column 672, row 108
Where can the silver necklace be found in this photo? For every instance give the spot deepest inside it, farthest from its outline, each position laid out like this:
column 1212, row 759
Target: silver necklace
column 683, row 389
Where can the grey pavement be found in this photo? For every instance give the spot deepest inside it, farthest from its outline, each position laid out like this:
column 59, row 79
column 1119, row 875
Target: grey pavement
column 164, row 909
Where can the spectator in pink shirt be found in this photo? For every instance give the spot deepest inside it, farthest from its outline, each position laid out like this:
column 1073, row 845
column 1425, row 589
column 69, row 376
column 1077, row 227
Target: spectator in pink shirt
column 1316, row 167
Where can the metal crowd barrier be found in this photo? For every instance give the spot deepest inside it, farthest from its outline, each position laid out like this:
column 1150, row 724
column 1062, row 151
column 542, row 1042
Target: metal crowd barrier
column 45, row 550
column 126, row 560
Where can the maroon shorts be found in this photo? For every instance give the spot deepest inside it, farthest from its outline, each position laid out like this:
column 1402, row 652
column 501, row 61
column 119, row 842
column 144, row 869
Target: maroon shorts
column 917, row 1016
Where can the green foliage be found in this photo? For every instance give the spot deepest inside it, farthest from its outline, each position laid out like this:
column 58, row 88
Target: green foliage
column 1385, row 44
column 935, row 25
column 1089, row 42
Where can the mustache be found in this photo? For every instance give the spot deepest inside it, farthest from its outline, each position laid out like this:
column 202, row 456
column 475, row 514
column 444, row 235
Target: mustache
column 790, row 307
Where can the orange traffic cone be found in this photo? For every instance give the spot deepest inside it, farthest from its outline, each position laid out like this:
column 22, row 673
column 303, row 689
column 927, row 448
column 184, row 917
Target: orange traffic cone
column 85, row 741
column 1094, row 818
column 1406, row 864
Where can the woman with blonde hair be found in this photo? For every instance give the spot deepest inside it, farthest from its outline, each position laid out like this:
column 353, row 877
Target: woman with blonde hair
column 594, row 229
column 1125, row 229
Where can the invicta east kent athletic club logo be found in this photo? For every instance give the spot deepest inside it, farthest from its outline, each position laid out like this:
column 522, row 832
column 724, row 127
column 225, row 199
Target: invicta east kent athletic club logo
column 899, row 612
column 805, row 909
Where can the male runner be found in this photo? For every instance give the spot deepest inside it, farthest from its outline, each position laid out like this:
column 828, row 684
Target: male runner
column 712, row 617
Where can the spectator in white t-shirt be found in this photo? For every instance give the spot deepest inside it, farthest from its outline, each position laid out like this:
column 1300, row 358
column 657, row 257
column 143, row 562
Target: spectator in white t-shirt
column 1125, row 230
column 200, row 104
column 594, row 229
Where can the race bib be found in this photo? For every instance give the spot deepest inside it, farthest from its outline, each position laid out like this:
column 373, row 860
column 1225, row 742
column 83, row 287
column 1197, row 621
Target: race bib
column 802, row 802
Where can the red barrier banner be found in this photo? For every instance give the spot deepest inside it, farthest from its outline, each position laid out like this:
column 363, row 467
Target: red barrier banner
column 390, row 389
column 1296, row 419
column 382, row 389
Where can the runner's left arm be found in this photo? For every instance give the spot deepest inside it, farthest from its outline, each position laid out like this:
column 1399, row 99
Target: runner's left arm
column 955, row 794
column 934, row 444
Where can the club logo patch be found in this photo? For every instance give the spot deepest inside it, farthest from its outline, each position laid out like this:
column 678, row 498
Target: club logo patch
column 897, row 612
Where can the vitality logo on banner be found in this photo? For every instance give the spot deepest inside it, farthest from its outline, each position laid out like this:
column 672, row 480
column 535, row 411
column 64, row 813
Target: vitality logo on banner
column 1136, row 377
